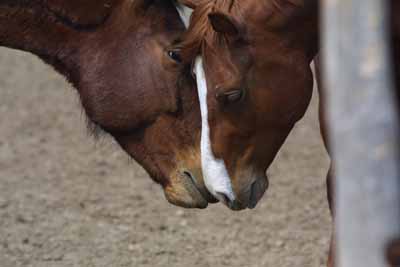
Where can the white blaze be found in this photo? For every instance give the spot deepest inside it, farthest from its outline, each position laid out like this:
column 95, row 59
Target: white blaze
column 216, row 177
column 215, row 174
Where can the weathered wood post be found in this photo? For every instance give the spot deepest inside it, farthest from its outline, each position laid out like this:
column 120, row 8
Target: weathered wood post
column 364, row 130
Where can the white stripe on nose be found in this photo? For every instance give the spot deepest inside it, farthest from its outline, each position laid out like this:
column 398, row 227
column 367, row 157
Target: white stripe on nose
column 215, row 174
column 216, row 177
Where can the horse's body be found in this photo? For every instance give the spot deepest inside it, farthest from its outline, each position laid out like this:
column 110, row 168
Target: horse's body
column 116, row 54
column 255, row 56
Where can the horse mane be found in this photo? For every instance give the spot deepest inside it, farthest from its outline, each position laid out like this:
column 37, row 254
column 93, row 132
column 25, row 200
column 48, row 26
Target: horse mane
column 200, row 34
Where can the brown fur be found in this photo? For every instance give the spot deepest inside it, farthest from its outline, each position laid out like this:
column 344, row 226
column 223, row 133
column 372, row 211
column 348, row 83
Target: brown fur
column 200, row 34
column 393, row 253
column 114, row 52
column 287, row 24
column 267, row 47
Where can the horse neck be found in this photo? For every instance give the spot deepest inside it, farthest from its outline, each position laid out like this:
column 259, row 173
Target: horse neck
column 51, row 29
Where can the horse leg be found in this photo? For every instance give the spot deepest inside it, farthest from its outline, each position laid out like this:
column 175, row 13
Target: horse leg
column 393, row 253
column 330, row 180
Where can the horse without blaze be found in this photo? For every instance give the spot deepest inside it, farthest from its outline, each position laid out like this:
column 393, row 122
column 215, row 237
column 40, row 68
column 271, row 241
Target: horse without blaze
column 116, row 54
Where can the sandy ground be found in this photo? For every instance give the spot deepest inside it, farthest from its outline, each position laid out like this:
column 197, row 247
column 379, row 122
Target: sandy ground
column 68, row 200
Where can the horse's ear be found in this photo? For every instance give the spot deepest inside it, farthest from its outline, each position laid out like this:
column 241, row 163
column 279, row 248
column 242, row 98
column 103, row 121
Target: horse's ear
column 191, row 3
column 224, row 23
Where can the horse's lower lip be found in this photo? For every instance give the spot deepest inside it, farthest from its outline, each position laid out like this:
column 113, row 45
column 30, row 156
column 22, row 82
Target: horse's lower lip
column 202, row 190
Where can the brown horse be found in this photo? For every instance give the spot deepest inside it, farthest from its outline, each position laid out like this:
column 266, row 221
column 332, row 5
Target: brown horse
column 116, row 54
column 252, row 63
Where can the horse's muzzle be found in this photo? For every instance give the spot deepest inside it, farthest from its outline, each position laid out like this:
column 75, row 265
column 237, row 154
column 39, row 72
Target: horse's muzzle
column 247, row 198
column 186, row 189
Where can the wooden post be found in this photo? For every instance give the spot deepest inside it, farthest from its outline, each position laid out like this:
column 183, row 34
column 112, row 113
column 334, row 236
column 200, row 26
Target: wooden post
column 364, row 131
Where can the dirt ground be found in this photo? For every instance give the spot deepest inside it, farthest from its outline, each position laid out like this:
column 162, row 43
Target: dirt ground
column 68, row 200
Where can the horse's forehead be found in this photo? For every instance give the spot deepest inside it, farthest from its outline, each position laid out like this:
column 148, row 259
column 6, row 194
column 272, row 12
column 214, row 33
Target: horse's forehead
column 224, row 57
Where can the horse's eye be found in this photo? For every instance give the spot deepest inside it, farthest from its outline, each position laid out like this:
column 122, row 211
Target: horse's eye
column 230, row 97
column 175, row 55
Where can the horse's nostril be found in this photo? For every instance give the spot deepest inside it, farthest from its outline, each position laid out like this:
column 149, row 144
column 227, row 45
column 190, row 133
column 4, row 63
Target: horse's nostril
column 253, row 196
column 257, row 190
column 196, row 180
column 188, row 174
column 191, row 177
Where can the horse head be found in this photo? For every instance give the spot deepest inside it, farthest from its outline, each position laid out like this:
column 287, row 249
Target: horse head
column 251, row 60
column 117, row 54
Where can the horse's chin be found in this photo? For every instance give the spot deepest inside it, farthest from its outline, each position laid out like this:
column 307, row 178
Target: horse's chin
column 184, row 190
